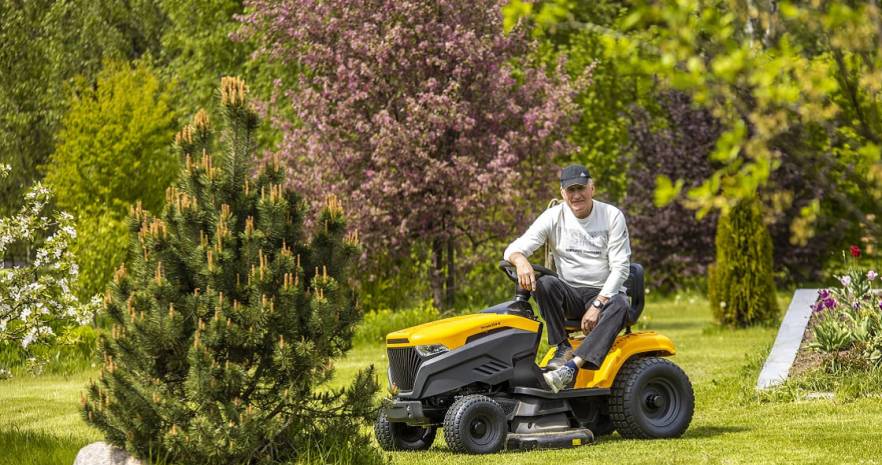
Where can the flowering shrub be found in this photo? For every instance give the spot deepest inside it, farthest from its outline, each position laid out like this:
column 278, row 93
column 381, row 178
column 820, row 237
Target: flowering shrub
column 36, row 297
column 849, row 324
column 427, row 115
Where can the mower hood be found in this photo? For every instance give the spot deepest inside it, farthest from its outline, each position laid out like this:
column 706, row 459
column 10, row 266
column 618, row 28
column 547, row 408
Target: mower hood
column 456, row 331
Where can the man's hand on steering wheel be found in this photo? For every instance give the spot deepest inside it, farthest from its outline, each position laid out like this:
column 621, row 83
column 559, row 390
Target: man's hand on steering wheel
column 526, row 275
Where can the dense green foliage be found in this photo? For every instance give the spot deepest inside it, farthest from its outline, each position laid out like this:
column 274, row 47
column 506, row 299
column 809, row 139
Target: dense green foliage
column 792, row 82
column 197, row 48
column 791, row 86
column 100, row 247
column 226, row 314
column 29, row 99
column 672, row 244
column 741, row 288
column 113, row 151
column 113, row 148
column 51, row 46
column 47, row 43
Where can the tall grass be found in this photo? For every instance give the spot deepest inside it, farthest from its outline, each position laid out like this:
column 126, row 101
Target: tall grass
column 846, row 385
column 72, row 352
column 26, row 447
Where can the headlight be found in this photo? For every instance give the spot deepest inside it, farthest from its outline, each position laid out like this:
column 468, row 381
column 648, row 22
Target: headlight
column 431, row 350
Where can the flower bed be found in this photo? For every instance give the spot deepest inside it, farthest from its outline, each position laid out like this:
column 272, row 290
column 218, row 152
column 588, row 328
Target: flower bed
column 844, row 335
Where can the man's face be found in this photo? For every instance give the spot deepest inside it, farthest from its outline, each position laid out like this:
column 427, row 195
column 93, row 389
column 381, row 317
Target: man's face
column 578, row 197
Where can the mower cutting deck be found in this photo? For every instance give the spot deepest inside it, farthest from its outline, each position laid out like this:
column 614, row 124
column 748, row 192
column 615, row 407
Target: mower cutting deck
column 475, row 376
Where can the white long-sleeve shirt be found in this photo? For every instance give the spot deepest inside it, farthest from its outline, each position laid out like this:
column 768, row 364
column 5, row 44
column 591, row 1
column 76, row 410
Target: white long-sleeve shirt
column 593, row 252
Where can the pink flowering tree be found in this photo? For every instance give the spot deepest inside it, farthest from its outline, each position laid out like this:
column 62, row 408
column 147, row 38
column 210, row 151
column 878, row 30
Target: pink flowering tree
column 426, row 117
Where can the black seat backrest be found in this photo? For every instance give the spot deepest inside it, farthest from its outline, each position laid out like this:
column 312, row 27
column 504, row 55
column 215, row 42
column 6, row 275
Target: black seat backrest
column 636, row 293
column 634, row 286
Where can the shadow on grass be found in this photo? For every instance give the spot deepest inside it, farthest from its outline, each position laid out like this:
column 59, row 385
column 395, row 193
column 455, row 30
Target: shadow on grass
column 37, row 448
column 711, row 431
column 693, row 432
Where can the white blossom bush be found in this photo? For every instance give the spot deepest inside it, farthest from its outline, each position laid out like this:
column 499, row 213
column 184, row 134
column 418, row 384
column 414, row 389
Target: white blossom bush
column 37, row 297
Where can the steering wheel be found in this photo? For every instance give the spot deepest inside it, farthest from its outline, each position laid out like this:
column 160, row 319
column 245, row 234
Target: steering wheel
column 512, row 272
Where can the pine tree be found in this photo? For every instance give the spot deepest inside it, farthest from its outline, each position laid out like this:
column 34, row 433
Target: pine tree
column 741, row 285
column 226, row 315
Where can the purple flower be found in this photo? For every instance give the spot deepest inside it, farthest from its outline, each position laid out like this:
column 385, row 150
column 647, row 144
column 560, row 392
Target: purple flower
column 871, row 275
column 856, row 305
column 845, row 280
column 829, row 302
column 823, row 294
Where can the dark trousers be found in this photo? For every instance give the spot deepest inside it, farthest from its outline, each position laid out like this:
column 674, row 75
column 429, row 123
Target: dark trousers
column 558, row 302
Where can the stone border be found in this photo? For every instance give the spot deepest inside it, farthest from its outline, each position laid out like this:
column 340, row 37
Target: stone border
column 789, row 338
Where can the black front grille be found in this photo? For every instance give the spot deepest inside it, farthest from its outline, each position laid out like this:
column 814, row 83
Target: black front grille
column 403, row 366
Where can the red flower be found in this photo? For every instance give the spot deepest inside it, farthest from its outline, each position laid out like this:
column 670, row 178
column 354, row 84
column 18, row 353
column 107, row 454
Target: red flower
column 855, row 251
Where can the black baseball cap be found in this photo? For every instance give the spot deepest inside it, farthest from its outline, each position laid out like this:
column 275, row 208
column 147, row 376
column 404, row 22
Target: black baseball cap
column 574, row 174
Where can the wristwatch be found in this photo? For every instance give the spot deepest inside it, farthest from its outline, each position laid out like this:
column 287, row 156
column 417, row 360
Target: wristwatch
column 597, row 304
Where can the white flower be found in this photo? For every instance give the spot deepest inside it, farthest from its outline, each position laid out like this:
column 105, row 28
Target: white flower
column 871, row 275
column 845, row 280
column 29, row 338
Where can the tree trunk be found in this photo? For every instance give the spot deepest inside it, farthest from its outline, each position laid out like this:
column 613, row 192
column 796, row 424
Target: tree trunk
column 451, row 271
column 436, row 273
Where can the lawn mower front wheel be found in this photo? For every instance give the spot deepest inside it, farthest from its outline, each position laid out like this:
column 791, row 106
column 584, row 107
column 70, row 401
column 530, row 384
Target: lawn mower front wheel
column 475, row 424
column 401, row 436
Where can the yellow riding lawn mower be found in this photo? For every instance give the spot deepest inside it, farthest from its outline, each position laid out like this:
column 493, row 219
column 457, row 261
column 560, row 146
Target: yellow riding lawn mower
column 476, row 377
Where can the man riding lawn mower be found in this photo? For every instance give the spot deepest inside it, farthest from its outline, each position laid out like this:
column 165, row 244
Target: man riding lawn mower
column 476, row 375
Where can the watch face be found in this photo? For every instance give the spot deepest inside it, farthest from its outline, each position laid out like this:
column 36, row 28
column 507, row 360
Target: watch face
column 597, row 304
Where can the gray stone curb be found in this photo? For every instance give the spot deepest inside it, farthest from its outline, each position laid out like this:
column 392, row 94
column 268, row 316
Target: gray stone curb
column 789, row 338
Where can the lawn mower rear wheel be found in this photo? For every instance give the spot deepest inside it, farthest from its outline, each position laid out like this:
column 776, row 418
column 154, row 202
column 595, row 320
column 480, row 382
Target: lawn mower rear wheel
column 651, row 398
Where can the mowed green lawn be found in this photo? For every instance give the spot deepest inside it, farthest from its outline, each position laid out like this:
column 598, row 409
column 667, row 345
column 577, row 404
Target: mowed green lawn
column 731, row 426
column 40, row 422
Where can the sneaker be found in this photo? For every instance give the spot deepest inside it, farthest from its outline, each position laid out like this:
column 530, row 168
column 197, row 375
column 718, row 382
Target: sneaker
column 562, row 355
column 560, row 378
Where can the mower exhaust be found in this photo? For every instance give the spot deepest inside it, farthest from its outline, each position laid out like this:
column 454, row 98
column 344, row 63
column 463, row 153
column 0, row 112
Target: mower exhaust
column 549, row 440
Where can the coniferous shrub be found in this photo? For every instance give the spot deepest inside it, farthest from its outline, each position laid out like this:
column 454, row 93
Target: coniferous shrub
column 741, row 286
column 226, row 315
